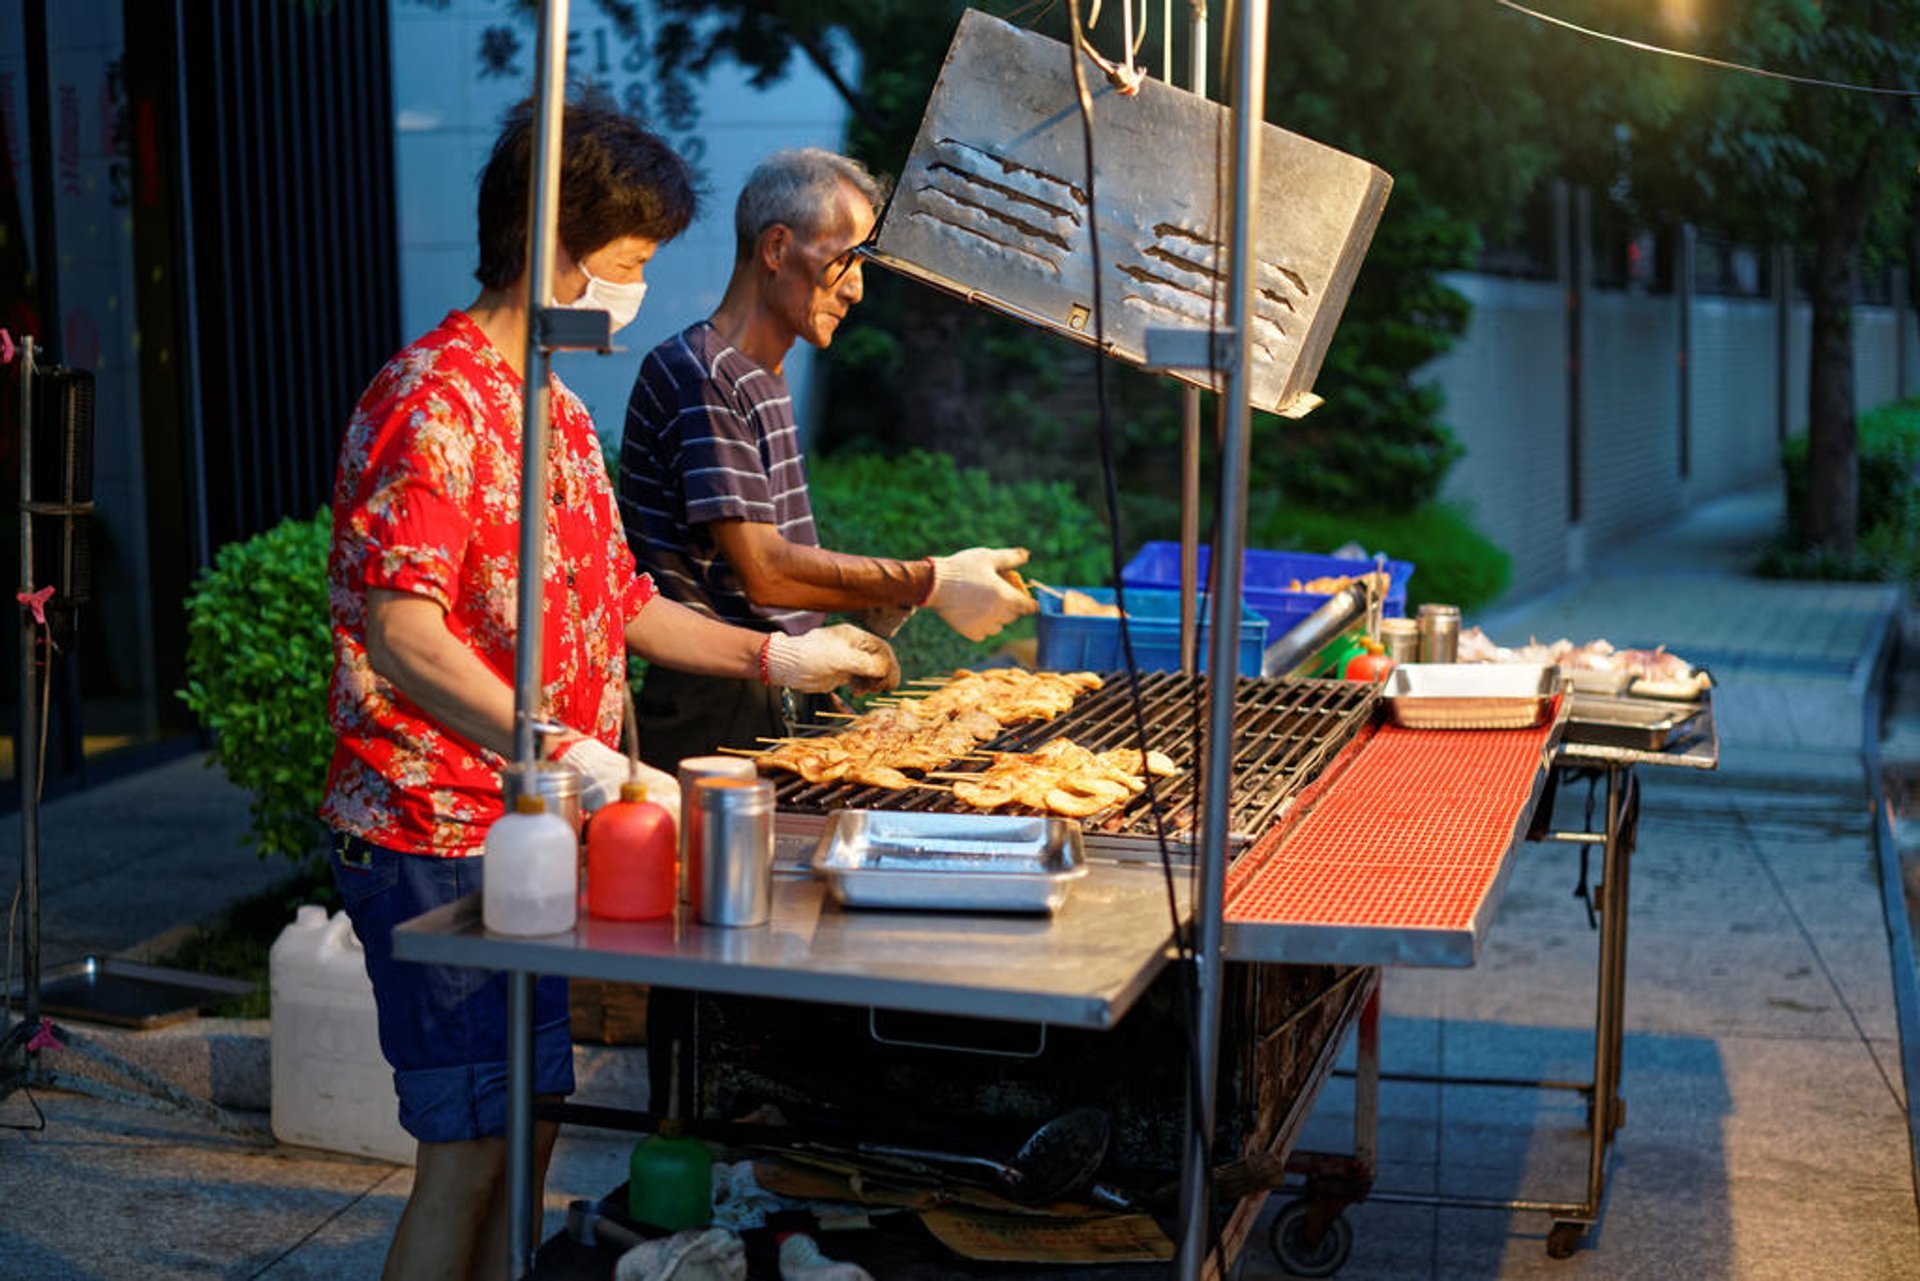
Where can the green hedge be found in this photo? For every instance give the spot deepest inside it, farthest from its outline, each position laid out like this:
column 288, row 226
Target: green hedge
column 1889, row 456
column 920, row 504
column 1453, row 562
column 259, row 656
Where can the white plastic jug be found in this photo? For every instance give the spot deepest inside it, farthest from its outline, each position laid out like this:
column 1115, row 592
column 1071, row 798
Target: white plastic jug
column 533, row 872
column 331, row 1087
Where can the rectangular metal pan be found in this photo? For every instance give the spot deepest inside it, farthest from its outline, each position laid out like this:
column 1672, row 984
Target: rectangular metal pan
column 1470, row 695
column 1650, row 725
column 127, row 994
column 950, row 862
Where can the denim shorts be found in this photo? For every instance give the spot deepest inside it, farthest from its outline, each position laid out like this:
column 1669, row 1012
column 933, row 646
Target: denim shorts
column 443, row 1028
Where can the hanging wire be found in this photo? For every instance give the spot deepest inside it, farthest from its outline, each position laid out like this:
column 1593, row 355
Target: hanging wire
column 1645, row 46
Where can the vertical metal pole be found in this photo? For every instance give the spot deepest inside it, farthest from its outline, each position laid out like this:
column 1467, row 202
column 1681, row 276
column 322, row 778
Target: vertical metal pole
column 522, row 1212
column 1250, row 46
column 26, row 766
column 1190, row 404
column 550, row 95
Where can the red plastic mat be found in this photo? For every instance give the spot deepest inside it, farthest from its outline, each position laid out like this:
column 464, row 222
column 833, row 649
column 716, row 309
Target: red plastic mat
column 1410, row 834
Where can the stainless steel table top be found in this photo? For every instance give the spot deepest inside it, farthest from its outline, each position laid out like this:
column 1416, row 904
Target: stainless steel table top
column 1083, row 966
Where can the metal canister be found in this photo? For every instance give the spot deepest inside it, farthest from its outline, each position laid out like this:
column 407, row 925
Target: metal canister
column 735, row 885
column 554, row 782
column 1439, row 633
column 690, row 771
column 1401, row 637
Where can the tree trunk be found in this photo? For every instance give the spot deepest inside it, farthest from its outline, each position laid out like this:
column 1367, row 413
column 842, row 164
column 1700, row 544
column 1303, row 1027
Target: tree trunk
column 1833, row 450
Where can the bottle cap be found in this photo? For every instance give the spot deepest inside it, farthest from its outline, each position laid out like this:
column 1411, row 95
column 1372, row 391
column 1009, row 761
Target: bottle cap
column 633, row 793
column 529, row 803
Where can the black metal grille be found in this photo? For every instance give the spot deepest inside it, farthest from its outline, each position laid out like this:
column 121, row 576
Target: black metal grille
column 289, row 165
column 1283, row 733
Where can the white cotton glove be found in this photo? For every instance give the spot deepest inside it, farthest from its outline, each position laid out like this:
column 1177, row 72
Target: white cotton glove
column 603, row 772
column 971, row 592
column 829, row 657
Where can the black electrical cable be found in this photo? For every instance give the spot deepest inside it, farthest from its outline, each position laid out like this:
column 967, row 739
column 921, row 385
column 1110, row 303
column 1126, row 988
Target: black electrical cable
column 1186, row 958
column 1645, row 46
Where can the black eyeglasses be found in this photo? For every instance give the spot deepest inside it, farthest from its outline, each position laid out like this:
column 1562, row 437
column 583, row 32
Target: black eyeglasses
column 836, row 270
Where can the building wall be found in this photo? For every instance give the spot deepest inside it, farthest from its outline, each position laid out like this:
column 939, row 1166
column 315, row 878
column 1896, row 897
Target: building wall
column 1506, row 391
column 1733, row 388
column 1630, row 447
column 92, row 192
column 1506, row 382
column 459, row 64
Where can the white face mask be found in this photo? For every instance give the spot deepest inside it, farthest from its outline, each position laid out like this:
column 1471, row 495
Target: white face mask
column 620, row 302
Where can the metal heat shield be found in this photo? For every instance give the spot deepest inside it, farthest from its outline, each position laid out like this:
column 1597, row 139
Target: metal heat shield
column 993, row 205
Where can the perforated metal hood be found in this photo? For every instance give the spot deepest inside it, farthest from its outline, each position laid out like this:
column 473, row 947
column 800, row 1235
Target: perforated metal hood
column 993, row 206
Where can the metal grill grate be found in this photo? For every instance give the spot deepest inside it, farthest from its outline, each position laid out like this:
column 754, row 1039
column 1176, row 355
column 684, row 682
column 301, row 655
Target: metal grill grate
column 1283, row 733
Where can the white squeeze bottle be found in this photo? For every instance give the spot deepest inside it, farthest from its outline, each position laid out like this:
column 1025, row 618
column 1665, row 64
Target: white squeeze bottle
column 533, row 872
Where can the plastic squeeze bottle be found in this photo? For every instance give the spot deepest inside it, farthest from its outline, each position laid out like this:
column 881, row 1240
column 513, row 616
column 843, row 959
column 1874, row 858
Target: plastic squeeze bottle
column 632, row 859
column 532, row 872
column 670, row 1176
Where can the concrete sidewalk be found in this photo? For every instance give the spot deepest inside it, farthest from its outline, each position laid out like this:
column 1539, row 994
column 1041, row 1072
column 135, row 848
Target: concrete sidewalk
column 1766, row 1133
column 1766, row 1130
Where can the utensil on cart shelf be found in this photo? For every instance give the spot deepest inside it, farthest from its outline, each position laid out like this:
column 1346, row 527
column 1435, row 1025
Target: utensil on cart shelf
column 1060, row 1157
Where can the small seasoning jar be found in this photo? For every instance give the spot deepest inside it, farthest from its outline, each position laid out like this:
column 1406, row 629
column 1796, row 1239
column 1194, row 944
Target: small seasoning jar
column 1439, row 633
column 1401, row 636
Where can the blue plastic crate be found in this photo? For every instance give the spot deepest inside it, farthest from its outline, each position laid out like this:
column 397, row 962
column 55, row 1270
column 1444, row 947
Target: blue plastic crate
column 1089, row 643
column 1264, row 579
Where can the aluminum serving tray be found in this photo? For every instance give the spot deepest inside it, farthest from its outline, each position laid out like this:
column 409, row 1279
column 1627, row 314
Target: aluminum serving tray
column 1470, row 695
column 950, row 862
column 1650, row 725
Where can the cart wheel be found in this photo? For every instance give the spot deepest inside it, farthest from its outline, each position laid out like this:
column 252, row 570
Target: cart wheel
column 1288, row 1239
column 1564, row 1239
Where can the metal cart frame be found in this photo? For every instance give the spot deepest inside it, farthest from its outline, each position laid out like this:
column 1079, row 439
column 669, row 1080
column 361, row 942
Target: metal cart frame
column 1311, row 1234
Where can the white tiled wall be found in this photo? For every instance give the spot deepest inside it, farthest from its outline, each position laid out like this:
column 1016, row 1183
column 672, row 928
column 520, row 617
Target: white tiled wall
column 448, row 108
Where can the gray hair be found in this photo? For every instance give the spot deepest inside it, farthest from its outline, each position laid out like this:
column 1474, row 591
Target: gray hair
column 796, row 187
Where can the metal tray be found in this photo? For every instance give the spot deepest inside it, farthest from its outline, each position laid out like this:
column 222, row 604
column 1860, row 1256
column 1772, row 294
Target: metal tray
column 1470, row 695
column 950, row 862
column 128, row 994
column 1646, row 724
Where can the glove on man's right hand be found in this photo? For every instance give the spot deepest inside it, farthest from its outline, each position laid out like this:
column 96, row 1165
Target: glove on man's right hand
column 971, row 593
column 829, row 657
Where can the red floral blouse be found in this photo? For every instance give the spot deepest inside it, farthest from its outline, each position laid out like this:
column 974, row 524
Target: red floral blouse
column 427, row 501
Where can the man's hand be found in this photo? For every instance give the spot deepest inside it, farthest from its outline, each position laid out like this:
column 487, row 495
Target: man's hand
column 971, row 593
column 603, row 772
column 829, row 657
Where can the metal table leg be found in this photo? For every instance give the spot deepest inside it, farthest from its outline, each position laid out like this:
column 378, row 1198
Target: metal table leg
column 522, row 1234
column 1607, row 1112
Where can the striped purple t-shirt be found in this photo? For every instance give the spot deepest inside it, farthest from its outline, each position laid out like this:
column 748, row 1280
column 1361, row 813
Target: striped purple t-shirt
column 711, row 436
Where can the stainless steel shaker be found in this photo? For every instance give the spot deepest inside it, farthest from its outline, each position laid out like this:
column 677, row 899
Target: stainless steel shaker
column 1439, row 633
column 690, row 771
column 735, row 882
column 1401, row 638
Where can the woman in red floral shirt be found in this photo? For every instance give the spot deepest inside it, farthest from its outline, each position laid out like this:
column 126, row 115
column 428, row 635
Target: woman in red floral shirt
column 423, row 582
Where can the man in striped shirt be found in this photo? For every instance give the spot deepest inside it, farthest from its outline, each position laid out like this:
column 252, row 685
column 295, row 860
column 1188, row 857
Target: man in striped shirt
column 713, row 488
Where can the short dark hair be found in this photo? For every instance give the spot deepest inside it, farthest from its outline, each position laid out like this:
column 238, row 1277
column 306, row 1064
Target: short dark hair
column 617, row 178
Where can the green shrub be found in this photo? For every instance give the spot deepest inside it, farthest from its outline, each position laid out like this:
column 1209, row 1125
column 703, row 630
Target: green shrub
column 920, row 504
column 1889, row 456
column 259, row 656
column 1453, row 562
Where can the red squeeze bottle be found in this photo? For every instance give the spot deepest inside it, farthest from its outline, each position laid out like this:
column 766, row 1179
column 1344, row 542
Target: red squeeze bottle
column 632, row 859
column 1370, row 666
